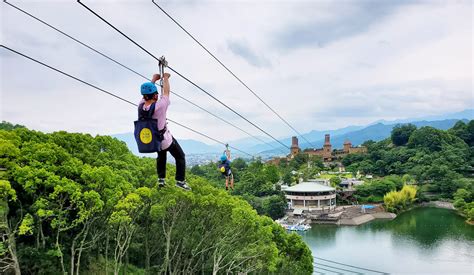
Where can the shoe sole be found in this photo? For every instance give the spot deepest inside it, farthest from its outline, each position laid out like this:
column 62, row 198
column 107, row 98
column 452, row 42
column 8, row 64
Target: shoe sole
column 185, row 189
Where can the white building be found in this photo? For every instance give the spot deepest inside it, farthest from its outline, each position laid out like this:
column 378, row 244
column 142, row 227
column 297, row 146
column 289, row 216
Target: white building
column 310, row 196
column 321, row 181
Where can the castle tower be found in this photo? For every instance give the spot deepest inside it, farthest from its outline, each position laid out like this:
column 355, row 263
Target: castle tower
column 295, row 149
column 327, row 140
column 347, row 146
column 327, row 148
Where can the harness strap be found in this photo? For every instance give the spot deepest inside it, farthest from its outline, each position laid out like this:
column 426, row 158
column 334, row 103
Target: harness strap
column 142, row 114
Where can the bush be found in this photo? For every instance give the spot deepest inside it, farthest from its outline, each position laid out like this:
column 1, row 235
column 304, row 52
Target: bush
column 463, row 200
column 470, row 214
column 397, row 201
column 372, row 198
column 459, row 204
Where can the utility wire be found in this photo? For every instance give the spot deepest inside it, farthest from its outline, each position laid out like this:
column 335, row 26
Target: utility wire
column 231, row 72
column 131, row 70
column 371, row 270
column 185, row 78
column 116, row 96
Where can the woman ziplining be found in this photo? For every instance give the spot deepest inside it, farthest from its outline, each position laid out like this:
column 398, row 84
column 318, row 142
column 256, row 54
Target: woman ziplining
column 224, row 168
column 151, row 131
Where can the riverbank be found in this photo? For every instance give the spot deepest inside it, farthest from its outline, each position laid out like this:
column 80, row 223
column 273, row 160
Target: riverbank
column 341, row 215
column 382, row 214
column 438, row 204
column 365, row 218
column 354, row 215
column 446, row 205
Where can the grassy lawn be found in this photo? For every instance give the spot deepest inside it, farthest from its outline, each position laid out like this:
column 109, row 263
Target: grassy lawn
column 327, row 176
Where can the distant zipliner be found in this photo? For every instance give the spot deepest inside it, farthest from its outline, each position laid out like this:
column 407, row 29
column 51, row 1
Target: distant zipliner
column 224, row 168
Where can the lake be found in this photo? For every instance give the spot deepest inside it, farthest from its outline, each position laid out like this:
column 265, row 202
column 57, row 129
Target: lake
column 421, row 241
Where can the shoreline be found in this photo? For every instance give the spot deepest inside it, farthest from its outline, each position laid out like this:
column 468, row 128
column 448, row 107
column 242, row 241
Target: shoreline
column 367, row 218
column 362, row 219
column 438, row 204
column 390, row 216
column 346, row 218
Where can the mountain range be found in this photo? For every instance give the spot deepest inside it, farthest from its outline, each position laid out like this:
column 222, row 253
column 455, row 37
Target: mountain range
column 356, row 134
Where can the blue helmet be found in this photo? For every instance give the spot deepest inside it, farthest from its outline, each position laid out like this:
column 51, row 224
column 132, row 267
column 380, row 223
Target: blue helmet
column 148, row 88
column 223, row 158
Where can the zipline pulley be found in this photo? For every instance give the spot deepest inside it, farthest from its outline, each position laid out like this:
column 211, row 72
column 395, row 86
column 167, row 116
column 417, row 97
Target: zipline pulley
column 162, row 63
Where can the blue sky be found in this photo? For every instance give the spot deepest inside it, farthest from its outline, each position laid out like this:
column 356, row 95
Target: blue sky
column 320, row 64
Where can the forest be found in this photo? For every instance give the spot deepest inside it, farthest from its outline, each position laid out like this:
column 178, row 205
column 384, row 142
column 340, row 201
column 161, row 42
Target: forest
column 439, row 162
column 78, row 204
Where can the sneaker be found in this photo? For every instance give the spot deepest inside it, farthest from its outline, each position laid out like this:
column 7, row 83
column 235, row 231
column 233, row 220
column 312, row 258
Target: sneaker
column 161, row 182
column 226, row 188
column 183, row 185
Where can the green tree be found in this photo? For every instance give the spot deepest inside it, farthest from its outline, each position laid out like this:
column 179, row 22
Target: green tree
column 239, row 164
column 401, row 134
column 287, row 178
column 8, row 230
column 470, row 131
column 470, row 214
column 295, row 256
column 460, row 130
column 9, row 126
column 275, row 206
column 462, row 194
column 459, row 204
column 428, row 138
column 197, row 170
column 271, row 174
column 335, row 181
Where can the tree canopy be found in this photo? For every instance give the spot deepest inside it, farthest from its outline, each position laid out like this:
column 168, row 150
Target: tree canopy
column 401, row 134
column 436, row 158
column 74, row 203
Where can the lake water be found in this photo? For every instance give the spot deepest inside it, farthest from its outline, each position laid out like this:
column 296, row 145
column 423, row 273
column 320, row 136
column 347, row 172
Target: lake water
column 421, row 241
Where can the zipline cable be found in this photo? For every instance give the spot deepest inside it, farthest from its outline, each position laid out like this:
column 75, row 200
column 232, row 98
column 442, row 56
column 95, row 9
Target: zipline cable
column 185, row 78
column 131, row 70
column 328, row 270
column 366, row 269
column 338, row 268
column 231, row 72
column 116, row 96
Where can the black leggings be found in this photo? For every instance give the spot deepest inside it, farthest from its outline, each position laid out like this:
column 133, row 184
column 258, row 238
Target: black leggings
column 178, row 155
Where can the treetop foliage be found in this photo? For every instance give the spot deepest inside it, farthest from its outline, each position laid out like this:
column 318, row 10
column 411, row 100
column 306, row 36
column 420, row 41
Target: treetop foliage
column 440, row 159
column 74, row 202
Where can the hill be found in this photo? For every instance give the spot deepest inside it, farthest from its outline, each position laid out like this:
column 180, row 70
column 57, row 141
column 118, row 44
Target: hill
column 375, row 132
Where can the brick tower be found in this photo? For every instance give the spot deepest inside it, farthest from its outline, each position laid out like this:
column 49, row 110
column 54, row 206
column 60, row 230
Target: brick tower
column 327, row 148
column 347, row 146
column 295, row 149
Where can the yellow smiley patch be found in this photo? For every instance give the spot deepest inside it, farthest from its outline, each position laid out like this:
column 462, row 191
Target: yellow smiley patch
column 145, row 135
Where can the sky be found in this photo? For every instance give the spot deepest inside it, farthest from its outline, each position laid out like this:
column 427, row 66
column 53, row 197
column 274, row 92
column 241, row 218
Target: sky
column 319, row 64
